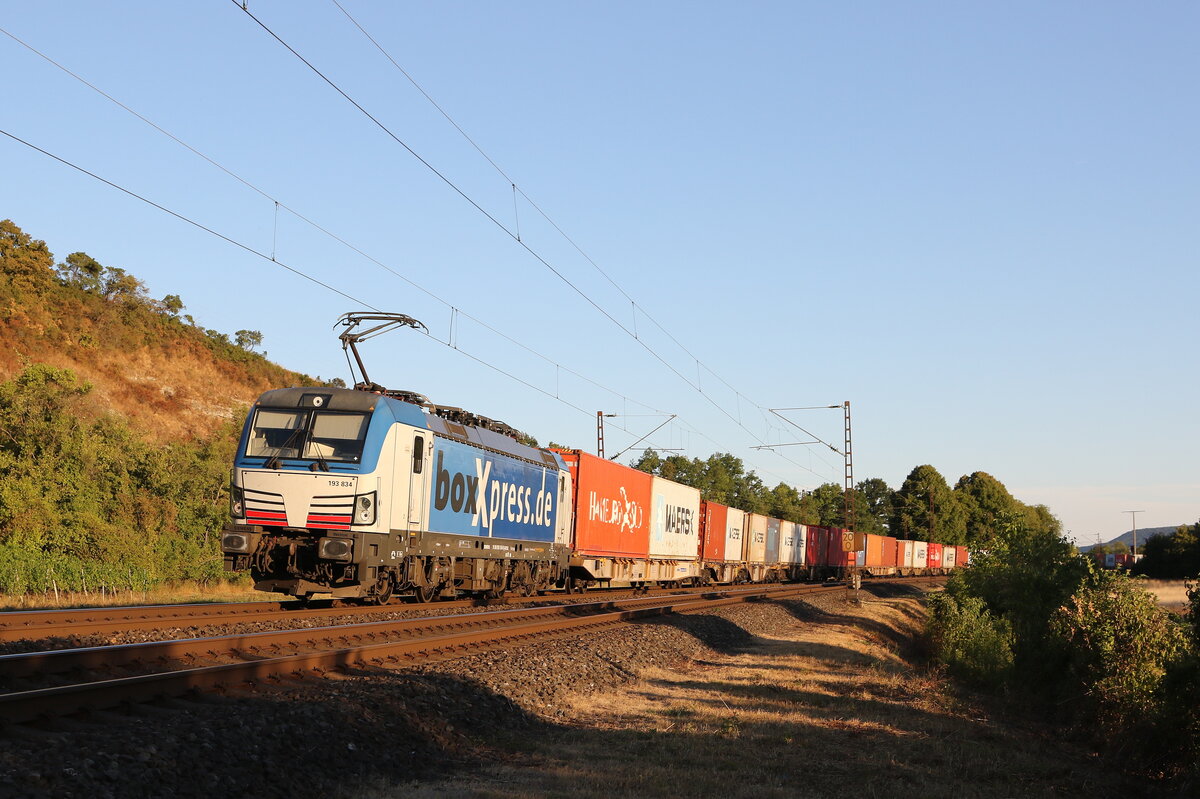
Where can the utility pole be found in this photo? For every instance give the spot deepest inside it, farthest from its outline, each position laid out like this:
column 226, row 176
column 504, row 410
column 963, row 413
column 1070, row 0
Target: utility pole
column 849, row 506
column 600, row 416
column 1133, row 514
column 847, row 455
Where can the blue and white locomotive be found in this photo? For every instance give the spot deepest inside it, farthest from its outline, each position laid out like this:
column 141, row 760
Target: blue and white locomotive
column 368, row 494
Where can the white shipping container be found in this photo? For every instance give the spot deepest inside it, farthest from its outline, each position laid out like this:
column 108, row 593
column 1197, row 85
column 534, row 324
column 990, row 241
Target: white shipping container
column 735, row 534
column 906, row 554
column 788, row 545
column 948, row 557
column 756, row 543
column 920, row 554
column 674, row 521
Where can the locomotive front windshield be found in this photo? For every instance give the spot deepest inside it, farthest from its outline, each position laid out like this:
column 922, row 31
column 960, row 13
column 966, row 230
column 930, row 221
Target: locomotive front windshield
column 308, row 435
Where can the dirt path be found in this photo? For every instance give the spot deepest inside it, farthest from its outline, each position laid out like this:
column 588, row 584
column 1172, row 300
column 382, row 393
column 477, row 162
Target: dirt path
column 786, row 699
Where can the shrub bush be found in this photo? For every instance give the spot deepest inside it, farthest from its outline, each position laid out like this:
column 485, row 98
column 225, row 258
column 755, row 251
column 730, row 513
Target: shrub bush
column 975, row 645
column 1118, row 644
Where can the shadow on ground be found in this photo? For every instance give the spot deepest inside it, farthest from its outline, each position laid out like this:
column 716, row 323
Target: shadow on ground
column 428, row 734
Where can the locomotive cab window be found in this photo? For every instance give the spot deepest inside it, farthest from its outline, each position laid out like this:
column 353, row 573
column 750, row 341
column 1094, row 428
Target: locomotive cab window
column 337, row 436
column 310, row 435
column 277, row 433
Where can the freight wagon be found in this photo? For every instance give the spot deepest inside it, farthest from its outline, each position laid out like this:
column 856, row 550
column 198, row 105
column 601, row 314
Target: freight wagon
column 367, row 495
column 721, row 531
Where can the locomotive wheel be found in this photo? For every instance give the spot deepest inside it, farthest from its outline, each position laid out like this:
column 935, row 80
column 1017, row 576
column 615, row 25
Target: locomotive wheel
column 382, row 593
column 425, row 593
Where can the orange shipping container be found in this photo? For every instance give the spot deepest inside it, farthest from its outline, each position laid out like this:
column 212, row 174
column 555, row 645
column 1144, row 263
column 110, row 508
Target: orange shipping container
column 612, row 507
column 891, row 551
column 874, row 556
column 713, row 520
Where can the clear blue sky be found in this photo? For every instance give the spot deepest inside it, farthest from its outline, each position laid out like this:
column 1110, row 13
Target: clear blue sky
column 976, row 222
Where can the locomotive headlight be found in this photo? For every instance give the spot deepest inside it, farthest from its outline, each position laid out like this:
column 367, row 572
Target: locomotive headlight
column 335, row 549
column 237, row 506
column 364, row 508
column 235, row 542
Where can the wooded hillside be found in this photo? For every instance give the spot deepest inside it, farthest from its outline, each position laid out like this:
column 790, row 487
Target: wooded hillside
column 119, row 416
column 147, row 360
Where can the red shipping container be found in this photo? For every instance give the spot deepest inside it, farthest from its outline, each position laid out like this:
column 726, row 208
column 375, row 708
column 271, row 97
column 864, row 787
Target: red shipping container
column 612, row 507
column 818, row 540
column 835, row 555
column 962, row 557
column 935, row 556
column 714, row 518
column 891, row 551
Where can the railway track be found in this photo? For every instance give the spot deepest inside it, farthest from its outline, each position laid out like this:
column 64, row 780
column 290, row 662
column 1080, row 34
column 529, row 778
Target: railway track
column 38, row 624
column 229, row 663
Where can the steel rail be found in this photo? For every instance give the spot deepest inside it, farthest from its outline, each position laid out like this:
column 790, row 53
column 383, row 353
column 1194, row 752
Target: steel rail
column 522, row 626
column 36, row 624
column 56, row 661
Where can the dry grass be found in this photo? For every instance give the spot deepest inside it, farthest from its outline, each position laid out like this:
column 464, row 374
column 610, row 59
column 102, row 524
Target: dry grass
column 170, row 395
column 178, row 594
column 1171, row 594
column 826, row 703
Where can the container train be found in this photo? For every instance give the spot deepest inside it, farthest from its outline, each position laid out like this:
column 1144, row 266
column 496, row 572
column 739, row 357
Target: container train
column 370, row 494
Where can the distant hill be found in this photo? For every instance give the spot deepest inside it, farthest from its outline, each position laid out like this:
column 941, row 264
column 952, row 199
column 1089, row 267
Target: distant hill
column 1142, row 534
column 147, row 360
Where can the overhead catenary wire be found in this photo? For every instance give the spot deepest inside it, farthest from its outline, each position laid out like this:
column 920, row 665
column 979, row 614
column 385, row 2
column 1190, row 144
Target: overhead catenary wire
column 634, row 306
column 450, row 342
column 523, row 244
column 277, row 205
column 267, row 257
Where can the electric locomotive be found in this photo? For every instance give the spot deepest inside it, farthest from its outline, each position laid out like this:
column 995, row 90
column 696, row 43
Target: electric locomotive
column 368, row 493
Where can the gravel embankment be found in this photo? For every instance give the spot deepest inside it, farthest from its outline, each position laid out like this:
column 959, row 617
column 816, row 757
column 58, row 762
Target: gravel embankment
column 323, row 737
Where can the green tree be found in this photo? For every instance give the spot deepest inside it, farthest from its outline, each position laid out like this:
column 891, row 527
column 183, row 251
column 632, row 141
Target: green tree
column 876, row 505
column 826, row 505
column 248, row 339
column 721, row 478
column 985, row 501
column 924, row 508
column 172, row 304
column 25, row 262
column 1172, row 557
column 81, row 271
column 785, row 503
column 117, row 284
